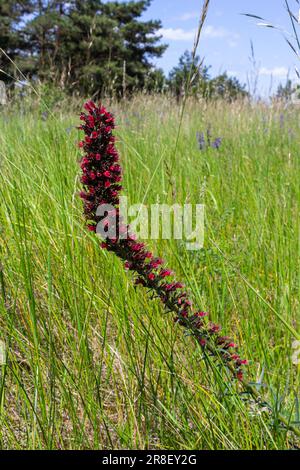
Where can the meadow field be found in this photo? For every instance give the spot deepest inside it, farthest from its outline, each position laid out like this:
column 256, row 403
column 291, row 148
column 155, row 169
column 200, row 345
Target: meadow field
column 92, row 362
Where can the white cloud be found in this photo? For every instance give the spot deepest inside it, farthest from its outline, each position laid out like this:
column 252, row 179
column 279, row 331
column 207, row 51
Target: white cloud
column 189, row 16
column 275, row 71
column 221, row 33
column 209, row 32
column 232, row 73
column 177, row 34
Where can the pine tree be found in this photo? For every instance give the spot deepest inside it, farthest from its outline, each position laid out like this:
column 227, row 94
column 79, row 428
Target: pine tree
column 11, row 40
column 201, row 84
column 188, row 67
column 139, row 39
column 44, row 43
column 91, row 46
column 285, row 91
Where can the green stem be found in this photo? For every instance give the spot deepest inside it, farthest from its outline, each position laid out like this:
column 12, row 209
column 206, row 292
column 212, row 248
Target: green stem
column 256, row 395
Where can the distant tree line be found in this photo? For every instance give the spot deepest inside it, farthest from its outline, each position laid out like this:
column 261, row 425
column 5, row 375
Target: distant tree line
column 191, row 70
column 95, row 47
column 289, row 92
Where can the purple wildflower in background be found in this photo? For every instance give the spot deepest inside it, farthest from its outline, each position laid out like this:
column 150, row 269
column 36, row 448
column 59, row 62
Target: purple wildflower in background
column 217, row 143
column 201, row 140
column 205, row 143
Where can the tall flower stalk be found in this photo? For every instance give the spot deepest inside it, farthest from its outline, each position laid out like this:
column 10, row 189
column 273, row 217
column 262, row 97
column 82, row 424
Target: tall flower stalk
column 101, row 178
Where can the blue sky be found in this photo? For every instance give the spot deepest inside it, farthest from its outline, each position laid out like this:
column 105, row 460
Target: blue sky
column 225, row 44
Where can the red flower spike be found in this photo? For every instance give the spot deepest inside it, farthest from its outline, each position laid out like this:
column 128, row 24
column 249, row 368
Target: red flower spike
column 202, row 314
column 165, row 273
column 101, row 177
column 240, row 375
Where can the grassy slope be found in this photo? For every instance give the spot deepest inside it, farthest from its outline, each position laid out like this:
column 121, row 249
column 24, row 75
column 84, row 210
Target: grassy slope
column 92, row 362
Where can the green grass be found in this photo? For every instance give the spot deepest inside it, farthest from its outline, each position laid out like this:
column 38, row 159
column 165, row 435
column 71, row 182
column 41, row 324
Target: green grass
column 92, row 361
